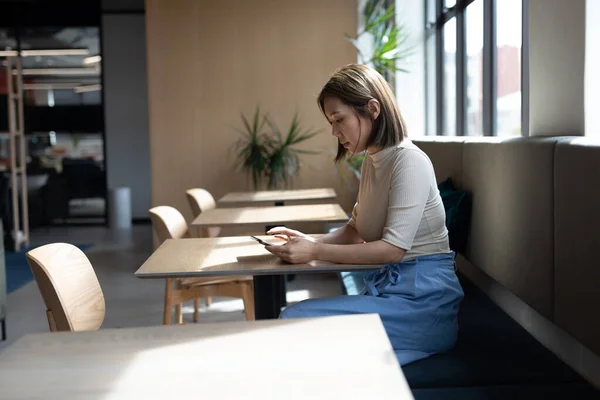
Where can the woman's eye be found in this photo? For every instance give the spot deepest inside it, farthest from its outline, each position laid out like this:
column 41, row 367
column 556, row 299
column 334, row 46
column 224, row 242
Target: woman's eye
column 339, row 121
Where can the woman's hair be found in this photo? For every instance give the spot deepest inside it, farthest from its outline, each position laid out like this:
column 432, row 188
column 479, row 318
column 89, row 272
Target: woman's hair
column 355, row 85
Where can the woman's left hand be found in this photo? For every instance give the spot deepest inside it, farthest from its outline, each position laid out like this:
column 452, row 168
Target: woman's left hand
column 297, row 250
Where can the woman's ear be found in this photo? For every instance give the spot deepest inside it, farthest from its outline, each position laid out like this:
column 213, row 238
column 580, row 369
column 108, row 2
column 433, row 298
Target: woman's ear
column 374, row 108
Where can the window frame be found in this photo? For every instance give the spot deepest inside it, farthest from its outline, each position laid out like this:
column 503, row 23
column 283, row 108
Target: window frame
column 435, row 29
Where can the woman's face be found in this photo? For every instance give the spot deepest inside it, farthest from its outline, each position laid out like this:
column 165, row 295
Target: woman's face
column 350, row 129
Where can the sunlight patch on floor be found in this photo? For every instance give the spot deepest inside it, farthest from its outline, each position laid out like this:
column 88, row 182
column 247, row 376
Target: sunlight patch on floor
column 233, row 305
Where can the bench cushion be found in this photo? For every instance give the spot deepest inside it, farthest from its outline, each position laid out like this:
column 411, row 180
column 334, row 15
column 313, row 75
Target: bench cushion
column 520, row 392
column 577, row 239
column 492, row 349
column 457, row 205
column 511, row 236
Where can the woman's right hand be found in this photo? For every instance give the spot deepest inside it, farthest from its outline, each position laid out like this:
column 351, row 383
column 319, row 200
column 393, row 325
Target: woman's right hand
column 286, row 234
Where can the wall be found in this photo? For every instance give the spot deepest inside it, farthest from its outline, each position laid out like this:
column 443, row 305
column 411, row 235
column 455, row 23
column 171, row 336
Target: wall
column 126, row 107
column 210, row 61
column 556, row 62
column 592, row 66
column 410, row 87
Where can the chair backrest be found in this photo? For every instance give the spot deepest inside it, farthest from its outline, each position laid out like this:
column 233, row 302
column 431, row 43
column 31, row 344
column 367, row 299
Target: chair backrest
column 168, row 223
column 69, row 287
column 200, row 200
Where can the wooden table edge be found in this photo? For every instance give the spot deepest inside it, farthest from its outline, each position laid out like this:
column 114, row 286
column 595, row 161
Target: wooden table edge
column 292, row 270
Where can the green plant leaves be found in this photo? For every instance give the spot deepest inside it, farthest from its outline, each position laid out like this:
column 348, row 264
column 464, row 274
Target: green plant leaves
column 390, row 40
column 355, row 163
column 271, row 156
column 252, row 148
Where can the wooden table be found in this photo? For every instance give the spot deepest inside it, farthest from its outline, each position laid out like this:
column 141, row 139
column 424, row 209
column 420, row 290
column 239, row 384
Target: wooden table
column 345, row 357
column 274, row 285
column 270, row 215
column 277, row 197
column 238, row 255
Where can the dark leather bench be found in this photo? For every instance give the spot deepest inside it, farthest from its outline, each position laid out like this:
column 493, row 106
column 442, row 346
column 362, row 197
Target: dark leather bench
column 494, row 358
column 521, row 392
column 522, row 192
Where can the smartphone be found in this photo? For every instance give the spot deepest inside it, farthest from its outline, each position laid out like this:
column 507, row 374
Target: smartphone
column 261, row 241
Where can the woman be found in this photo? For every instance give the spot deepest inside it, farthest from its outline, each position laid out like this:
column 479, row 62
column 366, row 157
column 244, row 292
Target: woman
column 398, row 221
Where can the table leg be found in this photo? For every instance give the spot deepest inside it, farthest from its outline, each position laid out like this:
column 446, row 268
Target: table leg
column 283, row 286
column 267, row 296
column 3, row 329
column 289, row 277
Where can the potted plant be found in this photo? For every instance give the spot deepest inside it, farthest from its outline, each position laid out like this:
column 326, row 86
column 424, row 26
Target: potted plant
column 349, row 172
column 382, row 42
column 283, row 158
column 253, row 147
column 268, row 157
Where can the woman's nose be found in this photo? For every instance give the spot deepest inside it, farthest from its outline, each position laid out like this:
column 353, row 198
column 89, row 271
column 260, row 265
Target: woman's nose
column 335, row 132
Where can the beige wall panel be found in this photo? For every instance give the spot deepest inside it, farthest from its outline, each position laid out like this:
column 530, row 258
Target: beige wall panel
column 209, row 61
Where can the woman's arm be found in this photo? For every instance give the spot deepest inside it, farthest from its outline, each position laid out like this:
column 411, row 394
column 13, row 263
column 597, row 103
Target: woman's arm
column 299, row 250
column 347, row 234
column 378, row 252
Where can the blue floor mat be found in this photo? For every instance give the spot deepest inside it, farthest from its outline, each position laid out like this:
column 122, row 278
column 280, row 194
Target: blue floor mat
column 18, row 272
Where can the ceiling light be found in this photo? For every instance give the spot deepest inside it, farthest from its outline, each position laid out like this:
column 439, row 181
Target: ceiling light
column 59, row 71
column 55, row 52
column 88, row 88
column 50, row 86
column 8, row 53
column 92, row 60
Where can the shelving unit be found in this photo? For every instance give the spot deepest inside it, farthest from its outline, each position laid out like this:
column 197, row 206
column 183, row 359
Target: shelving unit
column 17, row 167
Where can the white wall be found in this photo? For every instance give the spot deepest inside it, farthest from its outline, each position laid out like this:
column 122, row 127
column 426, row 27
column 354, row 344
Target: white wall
column 592, row 69
column 126, row 107
column 556, row 67
column 410, row 87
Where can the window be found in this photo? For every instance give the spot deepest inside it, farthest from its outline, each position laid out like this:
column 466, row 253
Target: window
column 46, row 87
column 508, row 67
column 59, row 47
column 476, row 68
column 450, row 77
column 430, row 93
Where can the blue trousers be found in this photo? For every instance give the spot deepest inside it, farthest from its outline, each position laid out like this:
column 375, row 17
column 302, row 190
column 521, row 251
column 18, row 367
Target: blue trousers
column 417, row 301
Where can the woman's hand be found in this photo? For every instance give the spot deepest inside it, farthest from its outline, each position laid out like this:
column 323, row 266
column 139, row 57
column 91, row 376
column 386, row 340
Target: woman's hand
column 298, row 250
column 286, row 234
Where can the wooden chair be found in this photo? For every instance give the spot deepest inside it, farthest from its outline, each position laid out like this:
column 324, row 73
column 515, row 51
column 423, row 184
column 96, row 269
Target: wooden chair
column 168, row 223
column 69, row 287
column 201, row 200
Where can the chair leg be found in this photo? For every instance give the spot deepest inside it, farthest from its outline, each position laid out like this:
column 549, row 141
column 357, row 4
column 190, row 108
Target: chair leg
column 208, row 301
column 51, row 321
column 248, row 298
column 168, row 293
column 178, row 313
column 196, row 306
